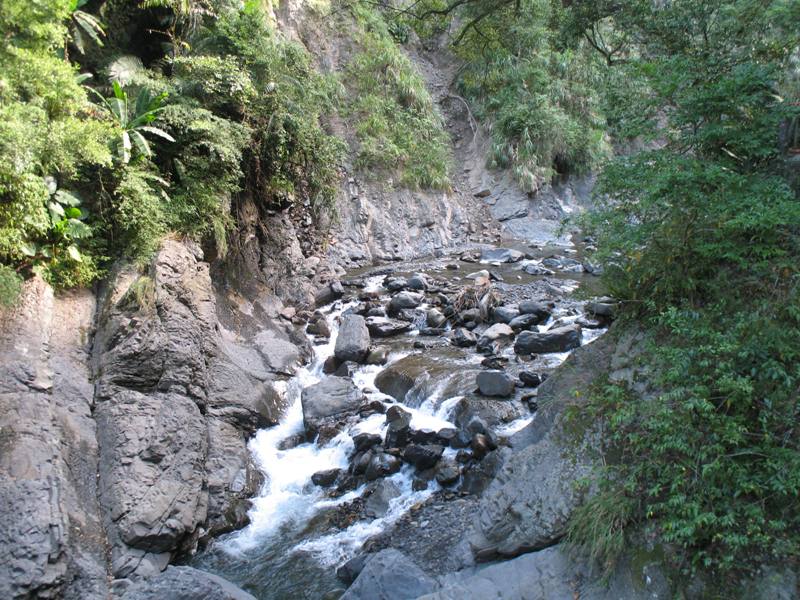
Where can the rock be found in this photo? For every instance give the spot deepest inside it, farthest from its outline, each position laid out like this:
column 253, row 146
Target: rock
column 529, row 379
column 587, row 323
column 504, row 314
column 377, row 356
column 502, row 255
column 395, row 284
column 525, row 322
column 184, row 583
column 418, row 484
column 350, row 570
column 446, row 435
column 319, row 326
column 561, row 339
column 480, row 446
column 330, row 398
column 478, row 276
column 325, row 478
column 451, row 267
column 533, row 268
column 400, row 377
column 330, row 365
column 377, row 505
column 376, row 311
column 495, row 335
column 346, row 369
column 352, row 343
column 423, row 456
column 381, row 465
column 423, row 436
column 399, row 421
column 447, row 473
column 542, row 309
column 435, row 318
column 417, row 282
column 495, row 383
column 390, row 575
column 382, row 327
column 365, row 441
column 484, row 193
column 329, row 293
column 463, row 338
column 404, row 300
column 602, row 308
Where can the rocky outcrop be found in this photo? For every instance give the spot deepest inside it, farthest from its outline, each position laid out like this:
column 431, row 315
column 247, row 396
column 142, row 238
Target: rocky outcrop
column 52, row 543
column 328, row 400
column 184, row 583
column 390, row 575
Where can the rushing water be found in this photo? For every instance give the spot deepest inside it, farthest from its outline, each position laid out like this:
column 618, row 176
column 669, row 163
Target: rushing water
column 289, row 550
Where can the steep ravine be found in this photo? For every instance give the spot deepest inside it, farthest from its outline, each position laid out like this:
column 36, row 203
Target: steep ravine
column 126, row 413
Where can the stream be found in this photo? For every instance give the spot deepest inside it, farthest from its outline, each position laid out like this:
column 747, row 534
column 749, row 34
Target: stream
column 300, row 532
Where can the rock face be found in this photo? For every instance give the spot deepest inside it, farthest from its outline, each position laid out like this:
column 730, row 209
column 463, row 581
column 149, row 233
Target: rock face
column 51, row 536
column 185, row 583
column 352, row 342
column 560, row 339
column 390, row 575
column 330, row 398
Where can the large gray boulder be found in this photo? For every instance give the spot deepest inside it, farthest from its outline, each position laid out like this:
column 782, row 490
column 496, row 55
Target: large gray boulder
column 390, row 575
column 184, row 583
column 352, row 343
column 331, row 398
column 503, row 255
column 384, row 327
column 560, row 339
column 495, row 383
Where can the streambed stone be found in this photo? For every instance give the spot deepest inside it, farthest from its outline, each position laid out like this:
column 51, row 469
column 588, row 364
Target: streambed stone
column 560, row 339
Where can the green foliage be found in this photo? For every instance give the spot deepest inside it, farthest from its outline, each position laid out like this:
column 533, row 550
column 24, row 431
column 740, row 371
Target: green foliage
column 699, row 237
column 542, row 101
column 84, row 24
column 10, row 286
column 398, row 129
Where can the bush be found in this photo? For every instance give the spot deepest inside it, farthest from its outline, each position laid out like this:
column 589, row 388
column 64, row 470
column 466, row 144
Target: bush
column 10, row 286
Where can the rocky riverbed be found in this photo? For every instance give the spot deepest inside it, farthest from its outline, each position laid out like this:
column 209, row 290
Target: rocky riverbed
column 423, row 374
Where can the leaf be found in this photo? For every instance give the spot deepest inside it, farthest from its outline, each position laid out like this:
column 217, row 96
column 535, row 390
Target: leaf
column 126, row 147
column 141, row 144
column 125, row 68
column 68, row 198
column 81, row 77
column 56, row 210
column 157, row 131
column 72, row 213
column 74, row 253
column 78, row 229
column 28, row 248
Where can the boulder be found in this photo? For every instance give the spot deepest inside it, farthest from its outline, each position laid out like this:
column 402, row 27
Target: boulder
column 447, row 473
column 435, row 318
column 534, row 268
column 495, row 383
column 395, row 284
column 417, row 282
column 397, row 432
column 377, row 505
column 525, row 322
column 603, row 308
column 496, row 334
column 502, row 255
column 352, row 343
column 377, row 356
column 504, row 314
column 329, row 293
column 423, row 456
column 318, row 325
column 381, row 327
column 325, row 478
column 529, row 379
column 330, row 398
column 404, row 300
column 365, row 441
column 184, row 583
column 561, row 339
column 390, row 575
column 542, row 309
column 463, row 338
column 382, row 464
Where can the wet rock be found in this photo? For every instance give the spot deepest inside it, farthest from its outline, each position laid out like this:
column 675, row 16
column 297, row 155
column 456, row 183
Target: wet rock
column 381, row 327
column 330, row 398
column 361, row 461
column 417, row 282
column 419, row 484
column 374, row 407
column 352, row 343
column 504, row 314
column 184, row 583
column 390, row 575
column 422, row 436
column 365, row 441
column 533, row 268
column 423, row 456
column 435, row 318
column 377, row 356
column 432, row 331
column 495, row 363
column 529, row 379
column 325, row 478
column 376, row 311
column 481, row 276
column 542, row 309
column 477, row 425
column 495, row 383
column 463, row 456
column 399, row 421
column 346, row 369
column 319, row 326
column 377, row 505
column 292, row 441
column 451, row 267
column 447, row 473
column 463, row 338
column 480, row 446
column 381, row 465
column 497, row 334
column 588, row 323
column 468, row 257
column 395, row 284
column 484, row 193
column 350, row 570
column 329, row 293
column 330, row 365
column 404, row 300
column 446, row 435
column 525, row 322
column 502, row 255
column 495, row 276
column 400, row 377
column 561, row 339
